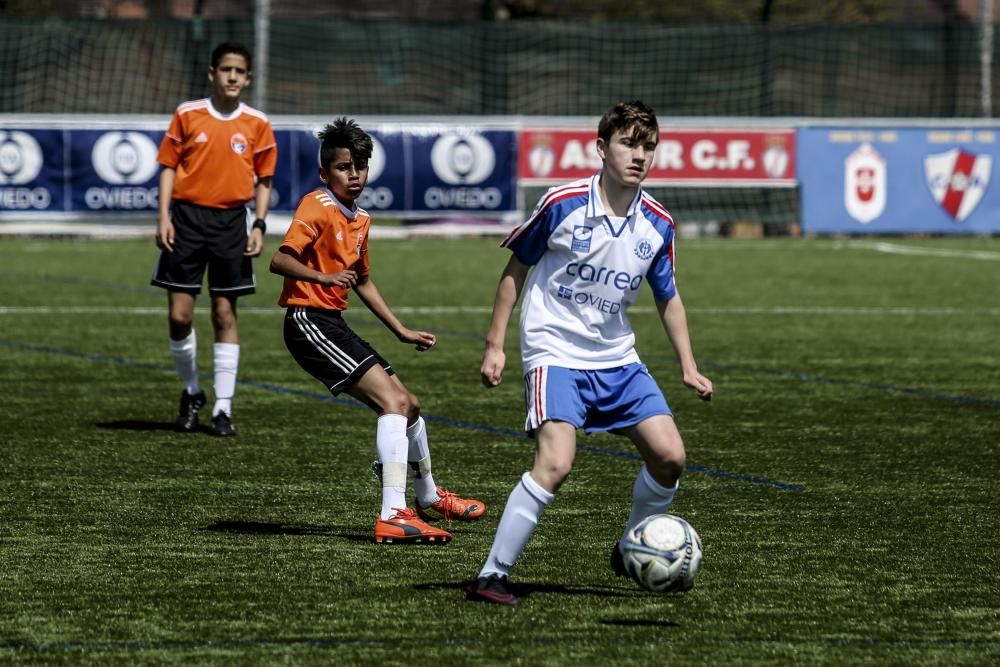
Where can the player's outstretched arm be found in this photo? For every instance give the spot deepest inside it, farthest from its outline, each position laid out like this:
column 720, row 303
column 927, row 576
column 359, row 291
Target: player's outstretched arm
column 508, row 291
column 674, row 319
column 370, row 294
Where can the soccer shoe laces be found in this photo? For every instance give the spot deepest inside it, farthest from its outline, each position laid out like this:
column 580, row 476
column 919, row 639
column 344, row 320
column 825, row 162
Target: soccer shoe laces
column 403, row 513
column 450, row 504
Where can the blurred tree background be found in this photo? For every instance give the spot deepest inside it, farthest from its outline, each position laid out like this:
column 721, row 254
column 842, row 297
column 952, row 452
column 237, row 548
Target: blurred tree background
column 675, row 11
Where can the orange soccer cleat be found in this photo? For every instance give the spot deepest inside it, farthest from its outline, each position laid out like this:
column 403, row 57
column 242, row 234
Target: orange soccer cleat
column 451, row 506
column 404, row 526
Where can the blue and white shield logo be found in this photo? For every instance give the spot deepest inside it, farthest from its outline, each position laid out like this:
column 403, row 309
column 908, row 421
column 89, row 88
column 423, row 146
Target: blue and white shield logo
column 957, row 180
column 581, row 238
column 644, row 250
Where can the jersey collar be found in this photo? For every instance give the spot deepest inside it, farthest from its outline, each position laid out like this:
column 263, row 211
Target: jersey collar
column 348, row 213
column 223, row 116
column 595, row 207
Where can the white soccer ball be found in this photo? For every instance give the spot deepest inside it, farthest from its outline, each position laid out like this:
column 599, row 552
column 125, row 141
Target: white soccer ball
column 663, row 554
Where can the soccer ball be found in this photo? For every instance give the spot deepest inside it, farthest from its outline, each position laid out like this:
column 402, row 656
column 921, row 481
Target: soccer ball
column 662, row 554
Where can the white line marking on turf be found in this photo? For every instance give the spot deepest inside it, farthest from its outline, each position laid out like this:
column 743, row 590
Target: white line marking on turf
column 921, row 251
column 462, row 310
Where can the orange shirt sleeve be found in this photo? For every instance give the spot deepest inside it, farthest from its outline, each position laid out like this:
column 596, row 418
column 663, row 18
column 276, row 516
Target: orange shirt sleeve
column 362, row 266
column 304, row 230
column 172, row 143
column 265, row 156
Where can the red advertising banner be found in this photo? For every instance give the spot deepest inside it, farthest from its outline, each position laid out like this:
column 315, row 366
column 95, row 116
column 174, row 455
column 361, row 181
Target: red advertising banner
column 730, row 158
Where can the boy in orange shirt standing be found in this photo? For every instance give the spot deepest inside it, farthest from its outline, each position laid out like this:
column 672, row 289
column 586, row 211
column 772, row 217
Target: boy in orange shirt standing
column 324, row 255
column 212, row 154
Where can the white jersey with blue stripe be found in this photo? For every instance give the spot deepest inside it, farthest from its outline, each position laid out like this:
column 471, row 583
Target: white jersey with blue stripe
column 587, row 270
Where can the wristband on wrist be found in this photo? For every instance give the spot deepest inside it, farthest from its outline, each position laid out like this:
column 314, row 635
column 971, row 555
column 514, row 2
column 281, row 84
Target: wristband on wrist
column 260, row 224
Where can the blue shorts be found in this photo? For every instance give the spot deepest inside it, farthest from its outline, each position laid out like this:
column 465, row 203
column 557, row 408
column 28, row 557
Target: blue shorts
column 602, row 400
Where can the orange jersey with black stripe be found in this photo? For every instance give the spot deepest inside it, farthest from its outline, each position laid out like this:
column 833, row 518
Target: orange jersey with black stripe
column 327, row 237
column 217, row 156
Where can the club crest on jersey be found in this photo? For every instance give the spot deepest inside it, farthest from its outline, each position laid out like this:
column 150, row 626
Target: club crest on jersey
column 644, row 250
column 958, row 180
column 238, row 143
column 581, row 238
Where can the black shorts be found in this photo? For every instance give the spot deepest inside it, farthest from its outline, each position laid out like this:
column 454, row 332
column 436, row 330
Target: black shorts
column 328, row 349
column 211, row 237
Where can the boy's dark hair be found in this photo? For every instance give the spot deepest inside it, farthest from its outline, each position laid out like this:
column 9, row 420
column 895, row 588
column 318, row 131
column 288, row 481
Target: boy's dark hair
column 636, row 115
column 224, row 49
column 344, row 133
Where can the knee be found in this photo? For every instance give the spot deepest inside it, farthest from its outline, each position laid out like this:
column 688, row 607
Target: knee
column 403, row 403
column 223, row 319
column 668, row 464
column 552, row 473
column 413, row 409
column 181, row 322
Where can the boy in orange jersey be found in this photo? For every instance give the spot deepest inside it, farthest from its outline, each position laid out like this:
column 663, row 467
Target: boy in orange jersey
column 324, row 255
column 212, row 154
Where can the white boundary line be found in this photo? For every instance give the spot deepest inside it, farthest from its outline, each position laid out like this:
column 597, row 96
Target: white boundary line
column 920, row 251
column 478, row 310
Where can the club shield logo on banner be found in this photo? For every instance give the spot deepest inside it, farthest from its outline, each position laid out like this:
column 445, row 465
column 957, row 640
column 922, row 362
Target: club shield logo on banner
column 958, row 180
column 865, row 184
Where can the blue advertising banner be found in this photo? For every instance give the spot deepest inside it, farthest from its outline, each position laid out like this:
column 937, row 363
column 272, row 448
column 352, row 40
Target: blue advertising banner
column 425, row 171
column 466, row 171
column 419, row 171
column 33, row 170
column 114, row 170
column 899, row 180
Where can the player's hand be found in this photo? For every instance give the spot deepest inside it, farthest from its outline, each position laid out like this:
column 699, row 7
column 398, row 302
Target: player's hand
column 346, row 278
column 700, row 384
column 165, row 235
column 423, row 340
column 255, row 243
column 491, row 370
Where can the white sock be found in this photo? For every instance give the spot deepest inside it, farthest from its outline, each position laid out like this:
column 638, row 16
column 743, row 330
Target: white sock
column 648, row 497
column 226, row 362
column 520, row 516
column 392, row 446
column 184, row 352
column 419, row 458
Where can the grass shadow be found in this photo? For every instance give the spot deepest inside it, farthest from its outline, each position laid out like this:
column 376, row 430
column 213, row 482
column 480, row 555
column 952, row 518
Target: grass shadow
column 136, row 425
column 638, row 623
column 271, row 528
column 523, row 590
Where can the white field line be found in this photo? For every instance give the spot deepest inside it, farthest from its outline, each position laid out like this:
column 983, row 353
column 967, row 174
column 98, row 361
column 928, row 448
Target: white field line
column 462, row 310
column 921, row 251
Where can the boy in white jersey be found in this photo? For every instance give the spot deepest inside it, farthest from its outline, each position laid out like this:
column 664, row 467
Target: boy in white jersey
column 580, row 259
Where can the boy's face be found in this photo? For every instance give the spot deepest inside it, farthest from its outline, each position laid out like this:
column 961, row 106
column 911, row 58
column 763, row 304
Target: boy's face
column 627, row 156
column 230, row 77
column 345, row 177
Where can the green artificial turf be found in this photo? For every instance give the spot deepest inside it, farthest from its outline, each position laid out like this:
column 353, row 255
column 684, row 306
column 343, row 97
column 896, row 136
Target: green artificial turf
column 844, row 479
